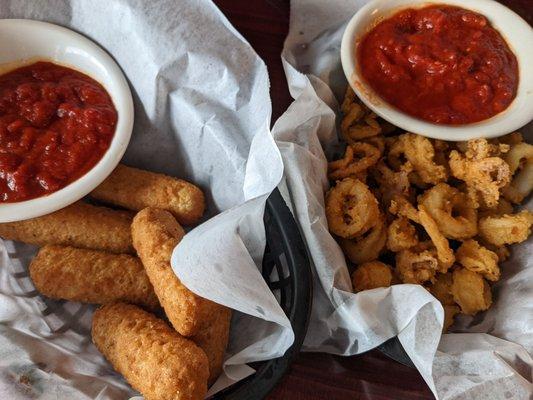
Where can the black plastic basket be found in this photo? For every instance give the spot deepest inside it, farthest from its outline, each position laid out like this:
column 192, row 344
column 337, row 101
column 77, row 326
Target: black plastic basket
column 392, row 348
column 285, row 253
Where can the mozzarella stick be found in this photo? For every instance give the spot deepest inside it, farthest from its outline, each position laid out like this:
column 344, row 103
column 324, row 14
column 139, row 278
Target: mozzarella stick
column 153, row 358
column 91, row 276
column 213, row 340
column 136, row 189
column 78, row 225
column 155, row 233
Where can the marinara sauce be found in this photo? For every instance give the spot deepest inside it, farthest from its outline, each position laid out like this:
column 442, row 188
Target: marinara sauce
column 443, row 64
column 55, row 125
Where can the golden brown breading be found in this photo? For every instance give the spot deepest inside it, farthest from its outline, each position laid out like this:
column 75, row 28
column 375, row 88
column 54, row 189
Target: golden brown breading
column 470, row 291
column 371, row 275
column 136, row 189
column 153, row 358
column 213, row 340
column 91, row 276
column 477, row 258
column 79, row 225
column 507, row 228
column 155, row 234
column 441, row 289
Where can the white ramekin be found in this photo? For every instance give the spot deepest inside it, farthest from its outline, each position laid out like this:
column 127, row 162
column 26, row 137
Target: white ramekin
column 517, row 33
column 26, row 41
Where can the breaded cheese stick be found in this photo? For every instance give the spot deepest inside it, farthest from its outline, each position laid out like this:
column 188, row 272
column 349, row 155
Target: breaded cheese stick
column 78, row 225
column 213, row 340
column 153, row 358
column 136, row 189
column 155, row 233
column 91, row 276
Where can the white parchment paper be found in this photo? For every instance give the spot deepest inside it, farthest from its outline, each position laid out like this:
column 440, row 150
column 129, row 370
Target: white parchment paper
column 491, row 358
column 202, row 113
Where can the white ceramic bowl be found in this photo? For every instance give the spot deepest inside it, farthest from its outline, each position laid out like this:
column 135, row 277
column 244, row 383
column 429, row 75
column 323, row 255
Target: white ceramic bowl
column 27, row 41
column 519, row 37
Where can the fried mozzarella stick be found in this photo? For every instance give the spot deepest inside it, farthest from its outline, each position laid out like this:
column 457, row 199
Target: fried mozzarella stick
column 78, row 225
column 91, row 276
column 213, row 340
column 153, row 358
column 136, row 189
column 155, row 233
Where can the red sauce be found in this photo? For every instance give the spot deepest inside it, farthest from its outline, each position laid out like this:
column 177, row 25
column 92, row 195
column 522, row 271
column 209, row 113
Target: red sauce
column 55, row 125
column 443, row 64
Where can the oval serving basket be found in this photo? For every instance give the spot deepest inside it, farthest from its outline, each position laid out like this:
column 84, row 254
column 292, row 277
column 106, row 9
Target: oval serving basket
column 286, row 260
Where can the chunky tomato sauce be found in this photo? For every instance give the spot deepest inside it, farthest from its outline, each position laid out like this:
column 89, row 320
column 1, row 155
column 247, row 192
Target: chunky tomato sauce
column 55, row 125
column 443, row 64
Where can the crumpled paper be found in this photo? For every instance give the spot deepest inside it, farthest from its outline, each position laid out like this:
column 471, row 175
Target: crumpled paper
column 202, row 113
column 491, row 357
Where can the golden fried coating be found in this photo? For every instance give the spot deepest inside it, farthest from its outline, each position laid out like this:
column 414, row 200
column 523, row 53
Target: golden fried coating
column 401, row 235
column 359, row 121
column 478, row 259
column 357, row 159
column 520, row 160
column 351, row 208
column 213, row 340
column 416, row 266
column 503, row 207
column 391, row 184
column 371, row 275
column 433, row 194
column 401, row 207
column 444, row 252
column 91, row 276
column 136, row 189
column 506, row 229
column 484, row 177
column 441, row 289
column 153, row 358
column 78, row 225
column 419, row 151
column 470, row 291
column 155, row 234
column 368, row 246
column 454, row 215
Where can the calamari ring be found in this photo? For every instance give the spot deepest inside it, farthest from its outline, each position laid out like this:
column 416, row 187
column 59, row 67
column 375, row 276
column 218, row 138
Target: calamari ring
column 357, row 158
column 478, row 259
column 351, row 208
column 506, row 229
column 519, row 158
column 485, row 177
column 455, row 216
column 470, row 291
column 419, row 151
column 444, row 252
column 358, row 121
column 367, row 247
column 377, row 141
column 371, row 275
column 401, row 235
column 416, row 267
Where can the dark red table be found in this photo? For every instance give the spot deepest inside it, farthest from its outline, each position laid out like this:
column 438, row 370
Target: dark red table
column 369, row 376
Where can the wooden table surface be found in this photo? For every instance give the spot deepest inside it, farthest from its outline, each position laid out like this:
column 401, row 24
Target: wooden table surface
column 369, row 376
